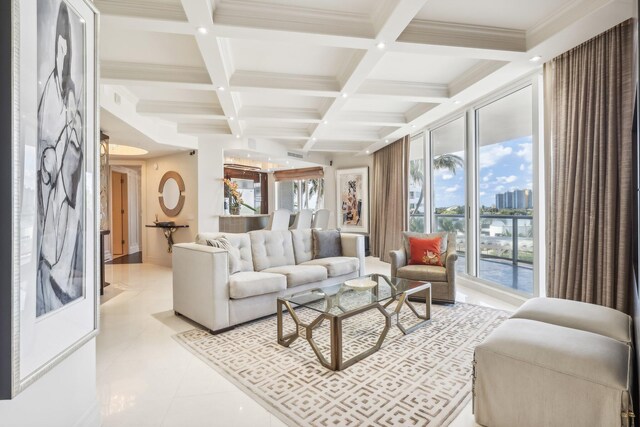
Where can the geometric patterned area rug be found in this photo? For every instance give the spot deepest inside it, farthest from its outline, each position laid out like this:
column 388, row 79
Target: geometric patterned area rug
column 419, row 379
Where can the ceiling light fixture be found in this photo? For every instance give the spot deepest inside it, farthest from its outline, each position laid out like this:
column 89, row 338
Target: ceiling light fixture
column 367, row 151
column 456, row 102
column 221, row 88
column 238, row 135
column 386, row 141
column 125, row 150
column 202, row 30
column 248, row 155
column 314, row 139
column 232, row 118
column 536, row 58
column 413, row 126
column 380, row 45
column 325, row 122
column 345, row 94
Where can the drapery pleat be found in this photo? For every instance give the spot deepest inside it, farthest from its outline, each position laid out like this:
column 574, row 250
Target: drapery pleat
column 589, row 93
column 389, row 199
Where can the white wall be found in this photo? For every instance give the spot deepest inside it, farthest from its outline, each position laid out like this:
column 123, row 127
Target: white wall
column 342, row 162
column 187, row 166
column 64, row 397
column 210, row 158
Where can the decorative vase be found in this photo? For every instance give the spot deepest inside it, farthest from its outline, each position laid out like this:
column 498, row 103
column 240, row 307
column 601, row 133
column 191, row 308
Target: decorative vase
column 234, row 210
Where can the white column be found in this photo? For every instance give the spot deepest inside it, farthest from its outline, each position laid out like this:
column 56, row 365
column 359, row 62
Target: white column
column 210, row 185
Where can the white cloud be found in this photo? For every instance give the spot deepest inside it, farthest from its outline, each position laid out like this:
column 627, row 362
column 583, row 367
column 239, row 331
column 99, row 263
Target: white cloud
column 522, row 167
column 506, row 179
column 482, row 193
column 447, row 176
column 526, row 152
column 499, row 189
column 492, row 154
column 452, row 189
column 487, row 177
column 484, row 186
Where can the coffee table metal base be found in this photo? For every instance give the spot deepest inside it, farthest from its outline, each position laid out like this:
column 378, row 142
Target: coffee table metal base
column 336, row 362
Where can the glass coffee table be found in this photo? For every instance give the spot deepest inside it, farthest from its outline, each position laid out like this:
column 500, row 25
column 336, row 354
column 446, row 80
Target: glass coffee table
column 339, row 302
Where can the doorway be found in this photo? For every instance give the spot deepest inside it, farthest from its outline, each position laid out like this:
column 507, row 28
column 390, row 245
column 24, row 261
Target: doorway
column 119, row 214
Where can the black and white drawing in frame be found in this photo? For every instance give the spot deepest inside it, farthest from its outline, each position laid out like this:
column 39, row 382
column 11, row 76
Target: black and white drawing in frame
column 60, row 156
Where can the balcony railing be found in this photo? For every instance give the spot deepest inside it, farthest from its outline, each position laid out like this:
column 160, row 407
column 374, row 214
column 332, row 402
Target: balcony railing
column 502, row 237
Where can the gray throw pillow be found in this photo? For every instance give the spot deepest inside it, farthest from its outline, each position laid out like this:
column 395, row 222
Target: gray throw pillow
column 235, row 264
column 326, row 244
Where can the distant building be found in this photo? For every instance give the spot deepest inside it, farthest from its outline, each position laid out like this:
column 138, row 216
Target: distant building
column 516, row 199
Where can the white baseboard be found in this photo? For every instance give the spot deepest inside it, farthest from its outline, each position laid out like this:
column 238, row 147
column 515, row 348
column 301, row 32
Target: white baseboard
column 507, row 297
column 108, row 256
column 134, row 248
column 91, row 417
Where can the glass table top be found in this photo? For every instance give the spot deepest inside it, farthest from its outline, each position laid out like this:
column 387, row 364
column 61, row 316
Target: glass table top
column 354, row 294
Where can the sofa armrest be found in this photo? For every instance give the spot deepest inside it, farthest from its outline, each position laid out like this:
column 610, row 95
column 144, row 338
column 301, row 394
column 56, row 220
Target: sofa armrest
column 353, row 246
column 398, row 259
column 201, row 284
column 450, row 265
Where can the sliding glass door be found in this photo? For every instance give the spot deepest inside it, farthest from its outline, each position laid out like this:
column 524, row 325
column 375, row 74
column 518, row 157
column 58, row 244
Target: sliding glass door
column 481, row 172
column 448, row 183
column 505, row 182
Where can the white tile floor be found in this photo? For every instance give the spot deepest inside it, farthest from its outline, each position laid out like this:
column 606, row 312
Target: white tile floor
column 145, row 378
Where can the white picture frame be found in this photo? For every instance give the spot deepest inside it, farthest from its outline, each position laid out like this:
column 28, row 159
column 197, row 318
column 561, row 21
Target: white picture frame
column 352, row 200
column 54, row 292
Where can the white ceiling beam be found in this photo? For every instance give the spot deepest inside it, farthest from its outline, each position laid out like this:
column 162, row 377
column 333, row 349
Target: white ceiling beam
column 137, row 23
column 204, row 129
column 398, row 16
column 180, row 110
column 216, row 56
column 282, row 132
column 370, row 118
column 146, row 9
column 408, row 91
column 176, row 76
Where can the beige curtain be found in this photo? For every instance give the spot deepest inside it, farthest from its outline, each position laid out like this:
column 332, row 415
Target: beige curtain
column 389, row 187
column 590, row 99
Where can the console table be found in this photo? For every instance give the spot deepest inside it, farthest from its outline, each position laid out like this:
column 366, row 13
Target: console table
column 168, row 231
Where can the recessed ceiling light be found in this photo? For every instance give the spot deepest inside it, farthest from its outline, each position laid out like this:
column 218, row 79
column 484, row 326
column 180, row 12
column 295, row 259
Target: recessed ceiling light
column 367, row 151
column 314, row 139
column 221, row 88
column 287, row 161
column 412, row 126
column 344, row 94
column 202, row 30
column 380, row 45
column 248, row 155
column 386, row 141
column 456, row 101
column 238, row 135
column 82, row 20
column 269, row 158
column 536, row 58
column 232, row 118
column 325, row 121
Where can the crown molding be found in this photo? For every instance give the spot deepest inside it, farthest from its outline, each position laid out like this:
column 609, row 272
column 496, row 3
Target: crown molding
column 410, row 91
column 142, row 9
column 114, row 71
column 180, row 109
column 463, row 35
column 254, row 14
column 204, row 129
column 311, row 85
column 474, row 74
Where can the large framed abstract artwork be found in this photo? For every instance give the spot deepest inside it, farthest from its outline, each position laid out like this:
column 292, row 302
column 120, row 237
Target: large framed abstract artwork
column 353, row 199
column 55, row 204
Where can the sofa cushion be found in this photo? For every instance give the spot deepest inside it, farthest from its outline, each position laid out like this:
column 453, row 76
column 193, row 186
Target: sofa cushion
column 233, row 252
column 251, row 283
column 406, row 235
column 425, row 273
column 578, row 315
column 238, row 240
column 271, row 248
column 300, row 274
column 336, row 266
column 326, row 244
column 302, row 245
column 425, row 251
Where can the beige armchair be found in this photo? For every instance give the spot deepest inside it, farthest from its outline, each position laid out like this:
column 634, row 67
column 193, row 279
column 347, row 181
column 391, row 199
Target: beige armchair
column 442, row 279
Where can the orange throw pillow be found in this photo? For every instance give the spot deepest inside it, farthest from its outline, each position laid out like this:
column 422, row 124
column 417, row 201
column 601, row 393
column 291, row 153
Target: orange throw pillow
column 425, row 251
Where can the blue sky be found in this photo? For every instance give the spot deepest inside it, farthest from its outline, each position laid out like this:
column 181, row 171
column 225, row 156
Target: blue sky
column 504, row 167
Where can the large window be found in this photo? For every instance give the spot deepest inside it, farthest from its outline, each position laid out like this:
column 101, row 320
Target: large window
column 300, row 194
column 448, row 177
column 481, row 174
column 505, row 182
column 416, row 186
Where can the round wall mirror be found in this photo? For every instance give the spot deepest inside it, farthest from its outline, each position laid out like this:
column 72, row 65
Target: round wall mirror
column 171, row 188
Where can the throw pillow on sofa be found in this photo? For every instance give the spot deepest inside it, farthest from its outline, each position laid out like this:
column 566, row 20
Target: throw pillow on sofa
column 444, row 242
column 425, row 251
column 326, row 244
column 235, row 264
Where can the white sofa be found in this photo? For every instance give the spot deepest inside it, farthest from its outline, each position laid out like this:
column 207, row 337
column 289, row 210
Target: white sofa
column 274, row 263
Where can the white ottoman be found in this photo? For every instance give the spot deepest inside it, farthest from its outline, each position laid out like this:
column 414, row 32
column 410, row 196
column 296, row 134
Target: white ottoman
column 578, row 315
column 532, row 374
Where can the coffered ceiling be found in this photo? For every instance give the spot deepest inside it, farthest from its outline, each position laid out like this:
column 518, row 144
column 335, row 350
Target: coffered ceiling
column 330, row 75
